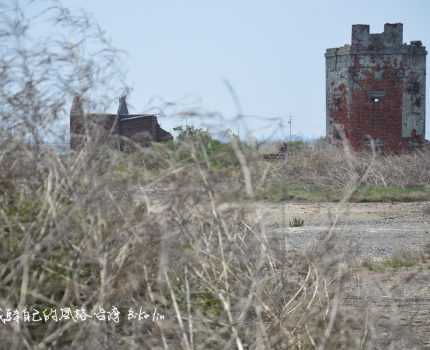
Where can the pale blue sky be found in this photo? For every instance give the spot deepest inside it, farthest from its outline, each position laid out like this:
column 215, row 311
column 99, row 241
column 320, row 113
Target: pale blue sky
column 272, row 52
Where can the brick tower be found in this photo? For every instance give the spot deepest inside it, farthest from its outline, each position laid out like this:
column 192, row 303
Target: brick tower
column 375, row 90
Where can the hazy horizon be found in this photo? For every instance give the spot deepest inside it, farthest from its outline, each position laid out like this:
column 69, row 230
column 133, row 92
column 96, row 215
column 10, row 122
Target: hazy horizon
column 271, row 54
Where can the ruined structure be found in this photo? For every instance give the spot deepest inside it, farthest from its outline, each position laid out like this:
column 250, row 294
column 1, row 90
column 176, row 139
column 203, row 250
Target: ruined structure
column 282, row 153
column 375, row 90
column 115, row 129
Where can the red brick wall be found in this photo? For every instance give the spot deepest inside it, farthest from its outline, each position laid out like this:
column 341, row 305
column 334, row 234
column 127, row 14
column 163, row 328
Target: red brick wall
column 376, row 66
column 380, row 120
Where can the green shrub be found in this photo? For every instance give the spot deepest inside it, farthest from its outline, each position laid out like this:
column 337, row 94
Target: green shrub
column 368, row 193
column 397, row 261
column 193, row 144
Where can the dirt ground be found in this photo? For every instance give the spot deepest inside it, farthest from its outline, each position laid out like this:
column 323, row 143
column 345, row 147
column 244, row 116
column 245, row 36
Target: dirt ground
column 394, row 298
column 320, row 213
column 367, row 230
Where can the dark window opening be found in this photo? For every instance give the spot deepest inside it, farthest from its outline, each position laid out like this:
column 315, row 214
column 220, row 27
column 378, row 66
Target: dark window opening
column 376, row 96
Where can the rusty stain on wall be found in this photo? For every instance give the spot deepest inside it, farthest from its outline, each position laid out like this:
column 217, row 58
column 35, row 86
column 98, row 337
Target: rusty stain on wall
column 375, row 90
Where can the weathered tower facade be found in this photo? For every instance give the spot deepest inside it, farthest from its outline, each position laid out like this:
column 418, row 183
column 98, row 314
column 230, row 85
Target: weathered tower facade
column 375, row 90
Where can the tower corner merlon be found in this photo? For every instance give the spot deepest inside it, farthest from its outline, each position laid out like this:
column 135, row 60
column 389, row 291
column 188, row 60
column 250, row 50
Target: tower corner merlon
column 393, row 34
column 360, row 35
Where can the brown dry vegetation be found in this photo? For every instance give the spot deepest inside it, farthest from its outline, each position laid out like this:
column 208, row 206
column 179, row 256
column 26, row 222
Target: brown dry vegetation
column 97, row 228
column 322, row 173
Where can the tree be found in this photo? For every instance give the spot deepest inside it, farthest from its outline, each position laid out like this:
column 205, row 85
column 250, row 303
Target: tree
column 190, row 133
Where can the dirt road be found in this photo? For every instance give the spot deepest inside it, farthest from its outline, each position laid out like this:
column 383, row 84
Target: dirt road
column 366, row 230
column 395, row 298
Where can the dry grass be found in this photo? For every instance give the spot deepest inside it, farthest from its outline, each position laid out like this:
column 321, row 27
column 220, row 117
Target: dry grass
column 323, row 173
column 154, row 229
column 98, row 228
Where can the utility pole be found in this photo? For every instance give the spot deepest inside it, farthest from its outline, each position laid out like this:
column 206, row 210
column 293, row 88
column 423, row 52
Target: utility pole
column 290, row 121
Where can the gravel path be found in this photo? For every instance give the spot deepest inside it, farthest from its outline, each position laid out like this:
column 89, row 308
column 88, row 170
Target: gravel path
column 365, row 230
column 373, row 240
column 397, row 301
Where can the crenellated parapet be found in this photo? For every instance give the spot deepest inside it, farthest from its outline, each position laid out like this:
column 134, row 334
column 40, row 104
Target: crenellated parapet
column 375, row 90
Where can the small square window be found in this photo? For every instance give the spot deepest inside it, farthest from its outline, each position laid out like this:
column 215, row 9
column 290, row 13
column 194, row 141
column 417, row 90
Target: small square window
column 376, row 96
